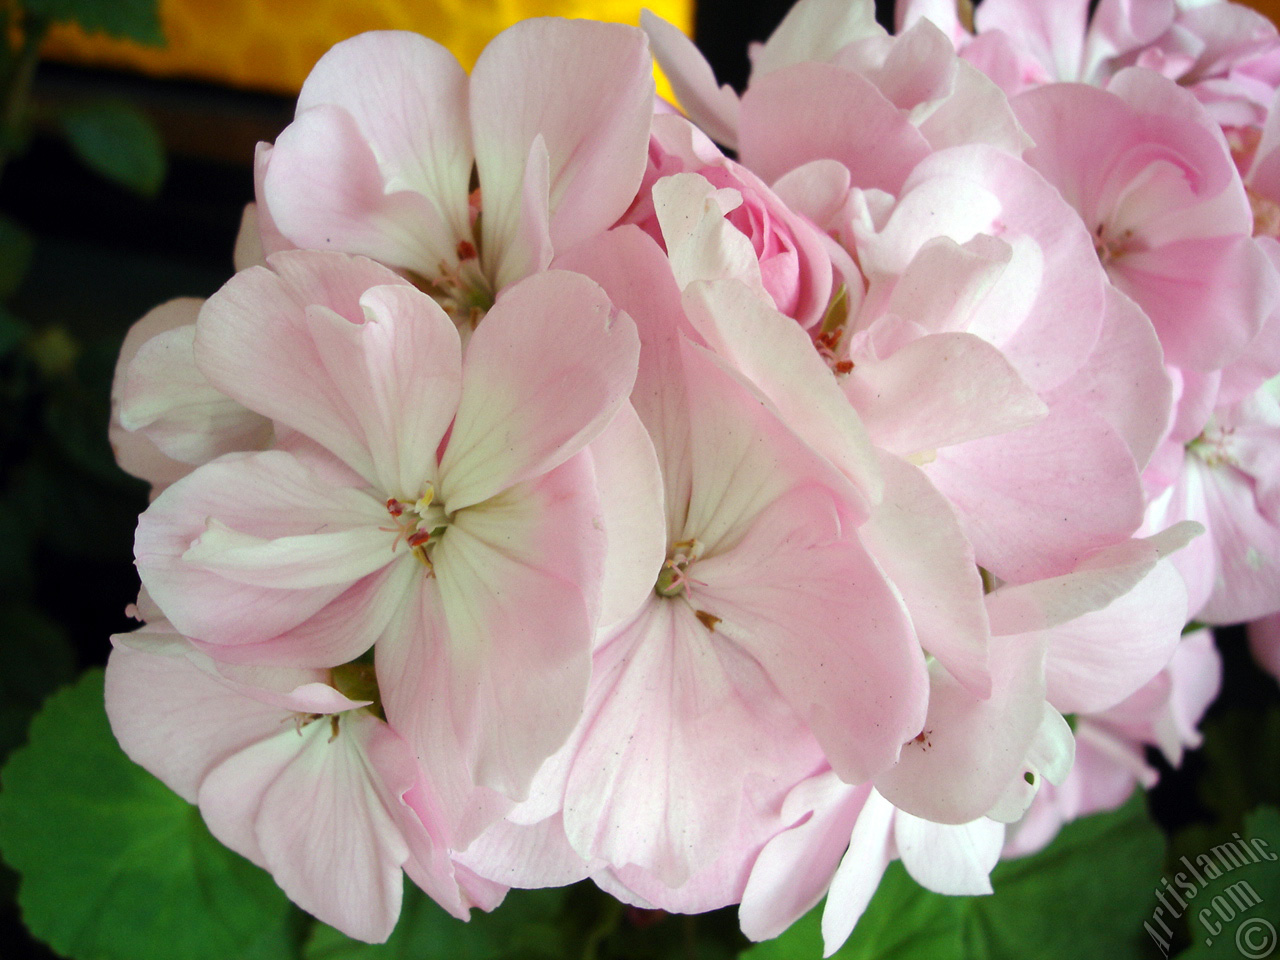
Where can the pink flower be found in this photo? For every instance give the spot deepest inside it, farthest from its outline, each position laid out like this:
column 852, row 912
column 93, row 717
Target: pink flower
column 1168, row 213
column 770, row 638
column 446, row 510
column 553, row 122
column 794, row 265
column 1264, row 638
column 294, row 774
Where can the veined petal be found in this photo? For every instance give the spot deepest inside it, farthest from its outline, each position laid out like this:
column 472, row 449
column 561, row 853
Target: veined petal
column 629, row 481
column 267, row 496
column 408, row 96
column 519, row 640
column 1036, row 500
column 317, row 818
column 795, row 868
column 870, row 853
column 595, row 127
column 517, row 418
column 324, row 191
column 940, row 390
column 975, row 746
column 714, row 108
column 300, row 562
column 816, row 612
column 916, row 538
column 804, row 112
column 668, row 796
column 178, row 721
column 952, row 859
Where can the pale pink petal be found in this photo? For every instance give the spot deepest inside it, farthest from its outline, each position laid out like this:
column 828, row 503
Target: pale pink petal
column 817, row 613
column 178, row 721
column 629, row 481
column 519, row 583
column 1191, row 288
column 272, row 495
column 163, row 395
column 805, row 112
column 1099, row 580
column 667, row 796
column 951, row 859
column 975, row 746
column 526, row 856
column 940, row 390
column 587, row 89
column 1098, row 659
column 916, row 538
column 1246, row 541
column 795, row 868
column 713, row 108
column 1038, row 499
column 636, row 274
column 408, row 96
column 870, row 852
column 742, row 457
column 776, row 355
column 324, row 191
column 814, row 30
column 1051, row 32
column 1125, row 379
column 319, row 824
column 516, row 419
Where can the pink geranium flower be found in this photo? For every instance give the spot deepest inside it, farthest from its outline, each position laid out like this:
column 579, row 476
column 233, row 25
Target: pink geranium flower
column 445, row 509
column 553, row 125
column 293, row 773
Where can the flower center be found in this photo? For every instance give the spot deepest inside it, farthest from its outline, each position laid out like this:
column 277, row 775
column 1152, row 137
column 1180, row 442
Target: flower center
column 674, row 574
column 1214, row 446
column 420, row 524
column 1109, row 247
column 463, row 292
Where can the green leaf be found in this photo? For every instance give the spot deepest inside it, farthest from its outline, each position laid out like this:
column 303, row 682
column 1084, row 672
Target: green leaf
column 35, row 659
column 119, row 142
column 15, row 256
column 1235, row 914
column 114, row 865
column 126, row 19
column 524, row 926
column 1086, row 895
column 1241, row 755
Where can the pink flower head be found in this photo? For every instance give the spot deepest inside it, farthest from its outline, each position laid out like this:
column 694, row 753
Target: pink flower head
column 444, row 509
column 390, row 132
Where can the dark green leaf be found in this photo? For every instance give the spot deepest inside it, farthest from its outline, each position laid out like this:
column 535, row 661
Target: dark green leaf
column 1237, row 913
column 524, row 926
column 115, row 866
column 1086, row 895
column 127, row 19
column 35, row 659
column 119, row 142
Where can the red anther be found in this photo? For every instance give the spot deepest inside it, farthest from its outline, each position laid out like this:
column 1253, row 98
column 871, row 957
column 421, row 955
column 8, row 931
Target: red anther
column 466, row 250
column 394, row 507
column 843, row 367
column 418, row 538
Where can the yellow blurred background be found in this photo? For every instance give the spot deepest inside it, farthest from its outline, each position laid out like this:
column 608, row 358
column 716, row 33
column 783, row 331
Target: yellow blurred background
column 271, row 45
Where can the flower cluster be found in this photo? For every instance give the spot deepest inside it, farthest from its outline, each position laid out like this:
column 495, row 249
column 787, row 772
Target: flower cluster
column 717, row 505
